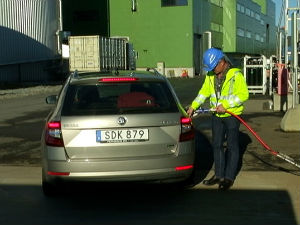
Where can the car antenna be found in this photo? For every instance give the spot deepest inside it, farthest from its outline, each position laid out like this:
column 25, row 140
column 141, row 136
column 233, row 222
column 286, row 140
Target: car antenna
column 117, row 71
column 75, row 74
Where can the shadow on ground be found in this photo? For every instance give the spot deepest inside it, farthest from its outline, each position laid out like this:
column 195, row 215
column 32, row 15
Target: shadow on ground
column 204, row 154
column 203, row 157
column 139, row 204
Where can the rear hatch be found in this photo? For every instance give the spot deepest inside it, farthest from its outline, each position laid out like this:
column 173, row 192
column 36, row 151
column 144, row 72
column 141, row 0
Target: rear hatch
column 103, row 137
column 120, row 119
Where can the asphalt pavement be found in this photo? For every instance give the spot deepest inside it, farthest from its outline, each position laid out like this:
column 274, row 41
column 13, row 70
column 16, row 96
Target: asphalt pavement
column 257, row 197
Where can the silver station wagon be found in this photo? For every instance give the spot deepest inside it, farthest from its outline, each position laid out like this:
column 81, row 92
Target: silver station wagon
column 127, row 126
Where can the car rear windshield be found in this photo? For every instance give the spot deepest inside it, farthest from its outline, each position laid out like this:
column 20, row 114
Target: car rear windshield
column 118, row 98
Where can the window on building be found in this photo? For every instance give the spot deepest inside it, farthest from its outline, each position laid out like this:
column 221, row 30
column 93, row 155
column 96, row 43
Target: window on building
column 261, row 39
column 262, row 22
column 257, row 37
column 252, row 14
column 242, row 9
column 257, row 16
column 248, row 12
column 240, row 32
column 248, row 34
column 165, row 3
column 238, row 7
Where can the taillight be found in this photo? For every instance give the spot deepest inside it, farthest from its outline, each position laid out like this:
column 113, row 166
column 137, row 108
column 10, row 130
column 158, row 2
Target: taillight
column 58, row 173
column 187, row 130
column 188, row 167
column 53, row 135
column 118, row 79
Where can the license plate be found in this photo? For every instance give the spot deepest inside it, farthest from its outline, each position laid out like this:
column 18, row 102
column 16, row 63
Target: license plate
column 124, row 135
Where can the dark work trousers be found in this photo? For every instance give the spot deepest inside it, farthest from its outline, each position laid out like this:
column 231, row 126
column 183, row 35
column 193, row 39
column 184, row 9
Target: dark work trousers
column 225, row 129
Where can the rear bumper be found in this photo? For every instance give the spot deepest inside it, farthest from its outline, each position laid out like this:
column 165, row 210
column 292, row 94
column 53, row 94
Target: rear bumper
column 154, row 169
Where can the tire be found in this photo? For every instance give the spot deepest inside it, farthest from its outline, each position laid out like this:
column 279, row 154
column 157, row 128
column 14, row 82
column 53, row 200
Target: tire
column 49, row 188
column 187, row 183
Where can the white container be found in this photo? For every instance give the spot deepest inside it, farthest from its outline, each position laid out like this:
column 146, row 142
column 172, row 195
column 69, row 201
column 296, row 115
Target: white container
column 96, row 53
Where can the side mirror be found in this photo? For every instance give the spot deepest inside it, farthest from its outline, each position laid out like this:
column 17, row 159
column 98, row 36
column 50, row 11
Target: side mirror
column 52, row 99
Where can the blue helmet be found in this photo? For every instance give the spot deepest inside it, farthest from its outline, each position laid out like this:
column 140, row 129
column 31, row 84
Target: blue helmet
column 211, row 58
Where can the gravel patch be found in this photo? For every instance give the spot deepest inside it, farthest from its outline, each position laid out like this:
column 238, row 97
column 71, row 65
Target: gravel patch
column 22, row 92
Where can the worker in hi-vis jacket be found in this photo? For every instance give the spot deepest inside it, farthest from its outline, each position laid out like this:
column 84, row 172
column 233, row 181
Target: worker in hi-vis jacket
column 227, row 90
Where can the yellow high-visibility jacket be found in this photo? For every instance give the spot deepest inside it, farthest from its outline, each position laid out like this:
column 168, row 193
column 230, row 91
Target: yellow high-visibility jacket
column 234, row 92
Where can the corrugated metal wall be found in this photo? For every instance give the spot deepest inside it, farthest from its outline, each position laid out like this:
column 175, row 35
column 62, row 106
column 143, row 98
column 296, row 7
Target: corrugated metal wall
column 27, row 35
column 95, row 53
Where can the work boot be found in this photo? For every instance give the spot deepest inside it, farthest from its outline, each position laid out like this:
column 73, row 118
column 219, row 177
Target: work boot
column 225, row 184
column 212, row 181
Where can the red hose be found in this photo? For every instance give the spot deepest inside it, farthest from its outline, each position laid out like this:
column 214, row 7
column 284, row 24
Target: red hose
column 278, row 154
column 255, row 134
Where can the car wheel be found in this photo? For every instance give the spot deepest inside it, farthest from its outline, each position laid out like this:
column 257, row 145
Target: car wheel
column 187, row 183
column 49, row 189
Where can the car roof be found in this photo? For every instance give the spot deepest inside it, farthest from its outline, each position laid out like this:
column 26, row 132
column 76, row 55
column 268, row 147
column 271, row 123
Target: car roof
column 93, row 77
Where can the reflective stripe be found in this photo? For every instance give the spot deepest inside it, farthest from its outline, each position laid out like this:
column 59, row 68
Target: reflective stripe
column 200, row 99
column 231, row 103
column 237, row 100
column 233, row 100
column 213, row 100
column 230, row 91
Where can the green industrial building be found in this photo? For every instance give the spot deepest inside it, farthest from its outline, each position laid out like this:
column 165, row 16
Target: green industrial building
column 171, row 35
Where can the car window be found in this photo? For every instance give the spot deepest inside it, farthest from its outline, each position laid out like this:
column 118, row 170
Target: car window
column 118, row 98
